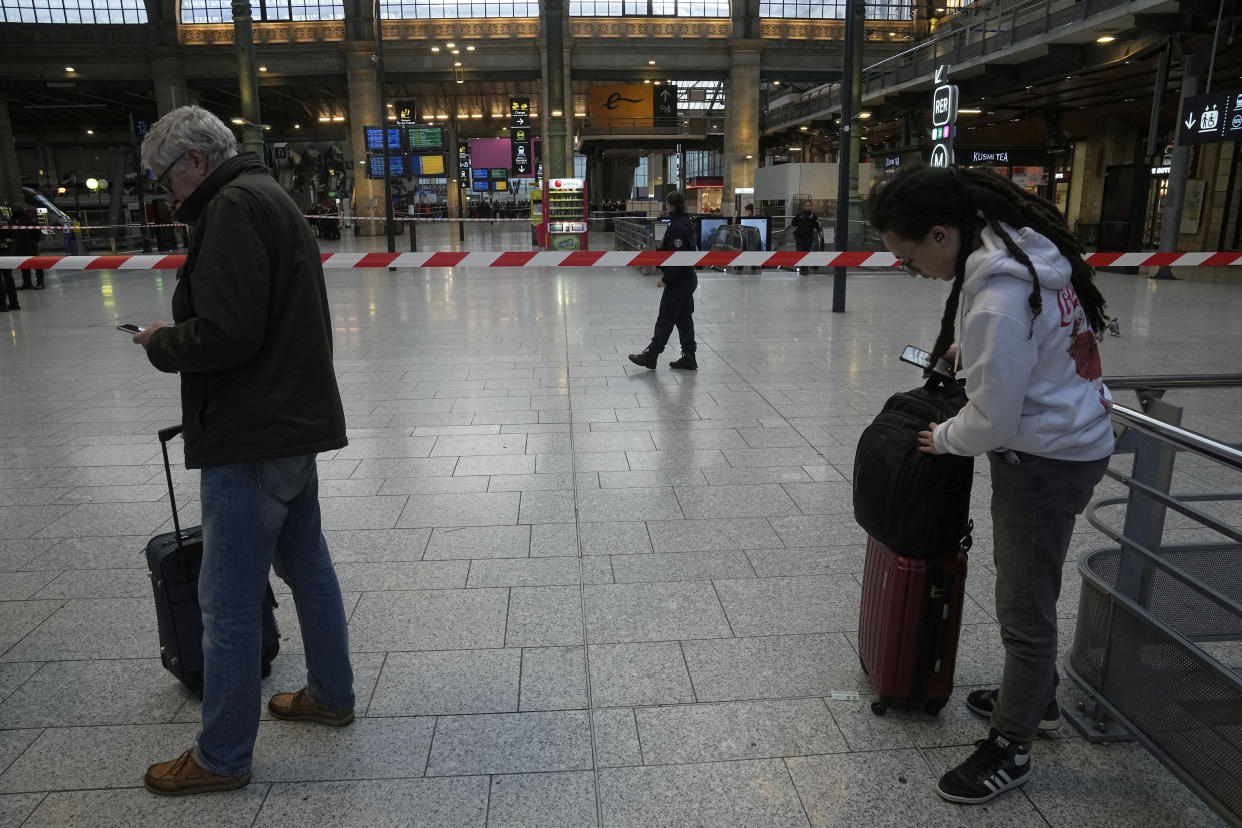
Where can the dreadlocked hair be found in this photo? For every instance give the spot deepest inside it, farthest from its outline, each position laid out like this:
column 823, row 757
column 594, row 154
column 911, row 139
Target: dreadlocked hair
column 919, row 198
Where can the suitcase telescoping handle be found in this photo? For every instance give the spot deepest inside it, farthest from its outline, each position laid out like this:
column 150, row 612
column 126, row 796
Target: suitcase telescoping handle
column 165, row 435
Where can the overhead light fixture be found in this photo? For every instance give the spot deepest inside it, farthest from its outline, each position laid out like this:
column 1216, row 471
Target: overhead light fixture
column 262, row 68
column 323, row 119
column 457, row 63
column 969, row 111
column 297, row 126
column 392, row 117
column 451, row 45
column 463, row 115
column 456, row 52
column 749, row 157
column 776, row 83
column 469, row 48
column 864, row 115
column 649, row 63
column 441, row 117
column 556, row 113
column 795, row 149
column 1105, row 39
column 646, row 81
column 579, row 114
column 237, row 121
column 477, row 115
column 435, row 48
column 90, row 132
column 338, row 118
column 70, row 69
column 461, row 80
column 804, row 128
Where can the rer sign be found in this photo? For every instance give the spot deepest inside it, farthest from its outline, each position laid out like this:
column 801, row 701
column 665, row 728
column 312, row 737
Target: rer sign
column 944, row 118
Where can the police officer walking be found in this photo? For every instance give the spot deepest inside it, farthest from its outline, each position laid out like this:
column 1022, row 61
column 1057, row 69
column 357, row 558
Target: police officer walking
column 805, row 228
column 679, row 283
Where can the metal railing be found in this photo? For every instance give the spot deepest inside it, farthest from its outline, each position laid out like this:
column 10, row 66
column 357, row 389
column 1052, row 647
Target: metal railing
column 1152, row 615
column 974, row 35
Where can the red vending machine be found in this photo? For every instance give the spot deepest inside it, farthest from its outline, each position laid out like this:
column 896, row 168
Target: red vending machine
column 564, row 224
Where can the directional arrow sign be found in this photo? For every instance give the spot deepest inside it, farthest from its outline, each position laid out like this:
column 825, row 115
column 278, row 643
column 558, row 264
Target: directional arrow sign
column 1190, row 121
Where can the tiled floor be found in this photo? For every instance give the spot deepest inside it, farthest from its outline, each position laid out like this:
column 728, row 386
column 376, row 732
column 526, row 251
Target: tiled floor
column 580, row 592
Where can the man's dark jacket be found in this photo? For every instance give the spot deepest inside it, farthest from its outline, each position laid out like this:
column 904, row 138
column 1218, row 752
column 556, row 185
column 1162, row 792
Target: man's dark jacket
column 253, row 334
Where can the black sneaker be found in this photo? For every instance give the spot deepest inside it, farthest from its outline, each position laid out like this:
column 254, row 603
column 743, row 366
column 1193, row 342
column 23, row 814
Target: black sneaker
column 644, row 358
column 982, row 702
column 997, row 765
column 687, row 362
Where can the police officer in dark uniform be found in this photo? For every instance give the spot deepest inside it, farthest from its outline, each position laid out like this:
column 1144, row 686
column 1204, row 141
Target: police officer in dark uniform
column 679, row 283
column 805, row 227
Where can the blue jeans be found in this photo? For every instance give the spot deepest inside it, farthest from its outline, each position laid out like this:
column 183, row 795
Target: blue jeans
column 1035, row 503
column 257, row 516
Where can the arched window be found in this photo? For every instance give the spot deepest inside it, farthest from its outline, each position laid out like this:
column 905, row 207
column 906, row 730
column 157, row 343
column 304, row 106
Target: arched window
column 436, row 9
column 649, row 8
column 263, row 11
column 73, row 11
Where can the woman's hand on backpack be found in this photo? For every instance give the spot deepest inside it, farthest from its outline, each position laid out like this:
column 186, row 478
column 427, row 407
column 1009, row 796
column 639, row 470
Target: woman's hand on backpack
column 926, row 444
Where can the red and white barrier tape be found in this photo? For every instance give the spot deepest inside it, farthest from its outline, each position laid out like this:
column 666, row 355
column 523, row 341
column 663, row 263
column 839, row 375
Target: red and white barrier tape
column 597, row 258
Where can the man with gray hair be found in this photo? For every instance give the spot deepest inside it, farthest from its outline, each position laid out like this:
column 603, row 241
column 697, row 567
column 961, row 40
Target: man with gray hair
column 252, row 341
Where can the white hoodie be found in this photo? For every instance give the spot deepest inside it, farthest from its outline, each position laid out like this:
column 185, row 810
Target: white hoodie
column 1039, row 394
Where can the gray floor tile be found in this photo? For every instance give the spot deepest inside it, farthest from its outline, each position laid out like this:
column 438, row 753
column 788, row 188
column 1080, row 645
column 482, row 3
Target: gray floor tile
column 13, row 676
column 779, row 606
column 428, row 485
column 733, row 794
column 361, row 512
column 773, row 667
column 479, row 542
column 401, row 575
column 888, row 786
column 675, row 459
column 651, row 479
column 98, row 519
column 808, row 560
column 120, row 552
column 359, row 545
column 822, row 498
column 544, row 617
column 16, row 553
column 479, row 444
column 103, row 757
column 85, row 629
column 761, row 474
column 553, row 678
column 367, row 749
column 429, row 620
column 616, row 738
column 524, row 572
column 507, row 464
column 70, row 693
column 737, row 730
column 447, row 682
column 757, row 500
column 458, row 802
column 511, row 743
column 136, row 808
column 542, row 800
column 18, row 586
column 14, row 808
column 681, row 566
column 819, row 530
column 553, row 540
column 623, row 538
column 863, row 730
column 638, row 674
column 535, row 482
column 399, row 468
column 653, row 612
column 611, row 505
column 453, row 510
column 1076, row 783
column 707, row 535
column 546, row 507
column 370, row 448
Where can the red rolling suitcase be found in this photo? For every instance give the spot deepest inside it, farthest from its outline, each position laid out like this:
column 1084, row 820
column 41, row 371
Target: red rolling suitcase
column 909, row 623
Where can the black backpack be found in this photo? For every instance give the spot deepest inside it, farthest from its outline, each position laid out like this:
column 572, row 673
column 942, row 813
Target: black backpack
column 915, row 503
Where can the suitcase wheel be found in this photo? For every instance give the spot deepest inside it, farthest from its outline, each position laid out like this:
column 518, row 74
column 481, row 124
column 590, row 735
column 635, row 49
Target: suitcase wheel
column 934, row 706
column 880, row 707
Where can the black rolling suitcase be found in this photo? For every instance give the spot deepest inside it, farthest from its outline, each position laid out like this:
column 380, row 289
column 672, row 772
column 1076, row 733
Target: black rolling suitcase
column 173, row 561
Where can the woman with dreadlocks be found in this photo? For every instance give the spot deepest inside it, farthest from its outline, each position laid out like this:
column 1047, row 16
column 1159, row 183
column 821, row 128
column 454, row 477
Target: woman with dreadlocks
column 1029, row 316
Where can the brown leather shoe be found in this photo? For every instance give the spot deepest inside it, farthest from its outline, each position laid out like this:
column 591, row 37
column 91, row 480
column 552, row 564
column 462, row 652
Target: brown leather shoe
column 184, row 775
column 300, row 707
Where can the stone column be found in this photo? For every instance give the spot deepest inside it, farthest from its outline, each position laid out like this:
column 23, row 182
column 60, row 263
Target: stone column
column 170, row 85
column 10, row 174
column 364, row 108
column 741, row 138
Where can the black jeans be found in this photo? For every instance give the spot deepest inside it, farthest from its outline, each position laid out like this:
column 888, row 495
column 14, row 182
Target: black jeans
column 8, row 288
column 676, row 310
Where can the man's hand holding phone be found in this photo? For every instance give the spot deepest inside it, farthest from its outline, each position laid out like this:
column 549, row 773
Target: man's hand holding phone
column 143, row 335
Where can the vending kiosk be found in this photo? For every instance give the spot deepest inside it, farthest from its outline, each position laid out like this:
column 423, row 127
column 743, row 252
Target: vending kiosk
column 564, row 224
column 536, row 215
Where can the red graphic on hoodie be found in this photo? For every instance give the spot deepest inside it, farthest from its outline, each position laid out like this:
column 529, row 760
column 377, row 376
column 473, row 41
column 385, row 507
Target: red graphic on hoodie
column 1083, row 351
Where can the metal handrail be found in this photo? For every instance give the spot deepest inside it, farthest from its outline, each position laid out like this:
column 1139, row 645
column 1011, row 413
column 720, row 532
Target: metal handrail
column 996, row 29
column 1161, row 382
column 1179, row 438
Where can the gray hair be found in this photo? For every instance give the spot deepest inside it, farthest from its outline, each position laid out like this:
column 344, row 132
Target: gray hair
column 188, row 127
